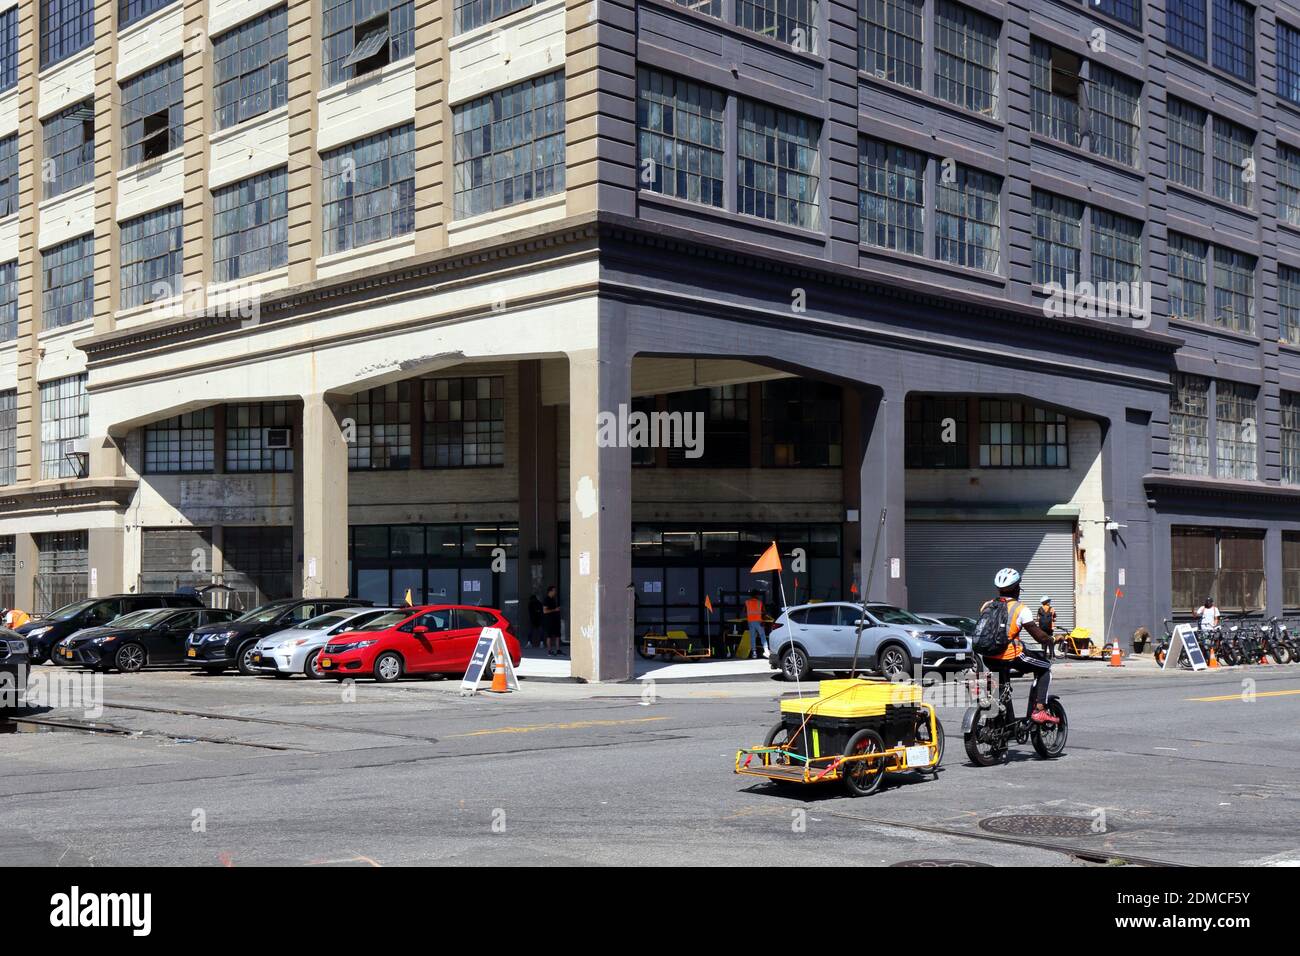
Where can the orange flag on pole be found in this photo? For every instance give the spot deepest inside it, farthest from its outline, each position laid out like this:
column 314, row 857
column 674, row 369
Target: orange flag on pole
column 769, row 561
column 708, row 605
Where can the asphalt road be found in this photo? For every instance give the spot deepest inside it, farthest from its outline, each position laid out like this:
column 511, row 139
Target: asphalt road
column 187, row 769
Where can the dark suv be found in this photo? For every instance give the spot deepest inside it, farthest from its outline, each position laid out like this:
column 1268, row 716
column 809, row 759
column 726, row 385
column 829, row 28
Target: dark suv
column 13, row 670
column 139, row 640
column 43, row 633
column 217, row 647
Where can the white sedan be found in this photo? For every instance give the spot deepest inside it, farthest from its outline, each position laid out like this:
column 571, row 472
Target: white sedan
column 295, row 649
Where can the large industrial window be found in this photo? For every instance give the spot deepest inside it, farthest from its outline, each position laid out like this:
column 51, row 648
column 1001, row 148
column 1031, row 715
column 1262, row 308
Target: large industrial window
column 891, row 42
column 891, row 196
column 1189, row 425
column 681, row 137
column 1234, row 164
column 1186, row 144
column 1290, row 403
column 778, row 165
column 182, row 444
column 1241, row 582
column 968, row 220
column 464, row 422
column 382, row 418
column 802, row 424
column 1019, row 435
column 67, row 27
column 251, row 226
column 250, row 68
column 724, row 442
column 1125, row 11
column 1116, row 248
column 68, row 149
column 796, row 23
column 7, row 576
column 62, row 569
column 1291, row 571
column 259, row 437
column 1188, row 278
column 1288, row 184
column 935, row 433
column 129, row 11
column 1234, row 38
column 9, row 48
column 65, row 417
column 966, row 58
column 1236, row 431
column 1288, row 63
column 1114, row 115
column 8, row 176
column 257, row 562
column 468, row 14
column 1058, row 239
column 9, row 301
column 362, row 36
column 509, row 146
column 153, row 113
column 1234, row 290
column 1055, row 93
column 1185, row 26
column 152, row 251
column 68, row 282
column 8, row 437
column 369, row 189
column 1288, row 301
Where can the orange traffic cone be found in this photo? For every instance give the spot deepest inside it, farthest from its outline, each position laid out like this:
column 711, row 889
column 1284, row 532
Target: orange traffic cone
column 1263, row 658
column 1214, row 659
column 1116, row 656
column 499, row 676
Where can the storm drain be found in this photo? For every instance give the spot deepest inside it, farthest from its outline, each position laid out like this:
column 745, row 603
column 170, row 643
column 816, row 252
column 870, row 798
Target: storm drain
column 939, row 863
column 1039, row 825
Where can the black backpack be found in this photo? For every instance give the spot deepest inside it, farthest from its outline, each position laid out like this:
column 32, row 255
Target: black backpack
column 990, row 638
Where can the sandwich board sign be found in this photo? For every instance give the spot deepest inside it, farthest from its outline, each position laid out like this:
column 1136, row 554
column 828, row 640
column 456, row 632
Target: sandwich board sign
column 484, row 657
column 1184, row 640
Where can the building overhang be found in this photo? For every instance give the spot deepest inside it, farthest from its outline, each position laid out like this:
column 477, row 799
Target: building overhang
column 1227, row 490
column 83, row 494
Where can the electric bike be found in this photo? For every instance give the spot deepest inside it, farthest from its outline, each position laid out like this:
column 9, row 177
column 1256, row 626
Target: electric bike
column 990, row 725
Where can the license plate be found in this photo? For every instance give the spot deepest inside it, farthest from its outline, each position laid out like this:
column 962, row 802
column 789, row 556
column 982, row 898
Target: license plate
column 917, row 756
column 961, row 656
column 257, row 658
column 193, row 653
column 66, row 653
column 327, row 663
column 649, row 648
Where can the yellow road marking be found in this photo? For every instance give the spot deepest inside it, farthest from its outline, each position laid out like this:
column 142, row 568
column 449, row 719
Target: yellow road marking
column 576, row 725
column 1258, row 693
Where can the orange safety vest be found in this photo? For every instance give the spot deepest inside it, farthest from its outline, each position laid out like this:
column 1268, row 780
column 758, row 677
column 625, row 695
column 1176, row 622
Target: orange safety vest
column 1014, row 647
column 753, row 610
column 18, row 618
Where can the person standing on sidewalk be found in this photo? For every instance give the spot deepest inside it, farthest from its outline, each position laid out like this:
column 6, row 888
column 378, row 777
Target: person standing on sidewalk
column 1047, row 621
column 551, row 621
column 754, row 618
column 536, row 635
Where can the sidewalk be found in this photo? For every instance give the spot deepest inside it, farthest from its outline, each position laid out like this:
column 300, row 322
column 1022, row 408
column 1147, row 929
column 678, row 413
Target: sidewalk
column 537, row 665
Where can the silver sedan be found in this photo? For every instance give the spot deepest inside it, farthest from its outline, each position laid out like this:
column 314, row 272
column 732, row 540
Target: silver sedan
column 295, row 649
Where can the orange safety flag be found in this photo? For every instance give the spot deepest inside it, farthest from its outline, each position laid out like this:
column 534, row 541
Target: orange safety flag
column 1119, row 593
column 409, row 602
column 769, row 561
column 708, row 605
column 853, row 588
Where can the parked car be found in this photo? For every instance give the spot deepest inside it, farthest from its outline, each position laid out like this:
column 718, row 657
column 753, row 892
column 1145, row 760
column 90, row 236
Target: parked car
column 821, row 637
column 13, row 670
column 43, row 633
column 217, row 647
column 296, row 650
column 139, row 640
column 964, row 624
column 432, row 639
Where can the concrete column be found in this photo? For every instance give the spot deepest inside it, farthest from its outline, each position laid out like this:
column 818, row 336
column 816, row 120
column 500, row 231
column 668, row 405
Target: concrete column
column 1126, row 457
column 323, row 496
column 29, row 259
column 883, row 485
column 26, row 561
column 107, row 162
column 600, row 515
column 304, row 81
column 105, row 547
column 196, row 211
column 432, row 123
column 1274, row 571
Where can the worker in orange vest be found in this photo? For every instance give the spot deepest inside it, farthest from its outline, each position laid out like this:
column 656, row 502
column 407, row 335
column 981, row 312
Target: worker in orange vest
column 14, row 618
column 754, row 617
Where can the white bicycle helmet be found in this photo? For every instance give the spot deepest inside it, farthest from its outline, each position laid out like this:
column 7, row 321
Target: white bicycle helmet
column 1006, row 578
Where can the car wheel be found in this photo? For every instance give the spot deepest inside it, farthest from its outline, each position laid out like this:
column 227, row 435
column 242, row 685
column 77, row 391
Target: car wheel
column 312, row 666
column 129, row 658
column 794, row 664
column 244, row 660
column 388, row 667
column 895, row 662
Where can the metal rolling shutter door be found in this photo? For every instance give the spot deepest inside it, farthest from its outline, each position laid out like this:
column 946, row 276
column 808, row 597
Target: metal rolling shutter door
column 167, row 558
column 951, row 564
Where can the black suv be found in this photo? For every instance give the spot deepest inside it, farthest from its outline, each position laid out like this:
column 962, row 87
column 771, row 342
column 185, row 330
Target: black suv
column 43, row 633
column 13, row 670
column 134, row 641
column 219, row 646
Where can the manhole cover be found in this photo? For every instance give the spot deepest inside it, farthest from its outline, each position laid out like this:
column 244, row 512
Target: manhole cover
column 1039, row 825
column 939, row 863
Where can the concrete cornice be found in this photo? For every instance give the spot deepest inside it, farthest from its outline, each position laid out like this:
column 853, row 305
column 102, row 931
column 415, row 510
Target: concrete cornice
column 1225, row 488
column 84, row 494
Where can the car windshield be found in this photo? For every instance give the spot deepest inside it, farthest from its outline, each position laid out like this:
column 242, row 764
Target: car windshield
column 69, row 611
column 146, row 618
column 961, row 623
column 328, row 619
column 263, row 613
column 384, row 621
column 886, row 614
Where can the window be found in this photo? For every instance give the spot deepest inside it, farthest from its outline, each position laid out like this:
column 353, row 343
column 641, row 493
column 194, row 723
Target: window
column 129, row 11
column 62, row 569
column 8, row 437
column 509, row 146
column 1234, row 38
column 369, row 189
column 1189, row 425
column 67, row 27
column 1226, row 564
column 1288, row 63
column 464, row 422
column 9, row 301
column 8, row 176
column 890, row 45
column 1185, row 26
column 362, row 36
column 966, row 58
column 259, row 437
column 1114, row 116
column 1288, row 184
column 967, row 222
column 468, row 14
column 69, row 149
column 181, row 444
column 1186, row 144
column 891, row 197
column 383, row 428
column 1291, row 570
column 1055, row 93
column 936, row 432
column 1058, row 239
column 258, row 563
column 1234, row 290
column 65, row 415
column 1236, row 431
column 152, row 250
column 796, row 23
column 68, row 282
column 1188, row 259
column 1288, row 300
column 1125, row 11
column 1234, row 164
column 681, row 137
column 724, row 442
column 1019, row 435
column 251, row 226
column 9, row 49
column 778, row 165
column 250, row 68
column 1290, row 437
column 801, row 424
column 1116, row 248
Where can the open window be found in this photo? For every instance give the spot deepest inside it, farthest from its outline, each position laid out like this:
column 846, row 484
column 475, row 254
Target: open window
column 157, row 136
column 370, row 51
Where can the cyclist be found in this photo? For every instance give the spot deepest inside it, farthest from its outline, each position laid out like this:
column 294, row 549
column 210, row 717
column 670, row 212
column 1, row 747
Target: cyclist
column 1025, row 643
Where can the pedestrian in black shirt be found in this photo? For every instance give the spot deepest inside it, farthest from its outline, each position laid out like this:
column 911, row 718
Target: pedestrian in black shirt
column 551, row 621
column 536, row 636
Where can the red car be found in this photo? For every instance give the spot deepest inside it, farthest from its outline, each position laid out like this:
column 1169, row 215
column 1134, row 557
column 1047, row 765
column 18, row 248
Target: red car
column 432, row 639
